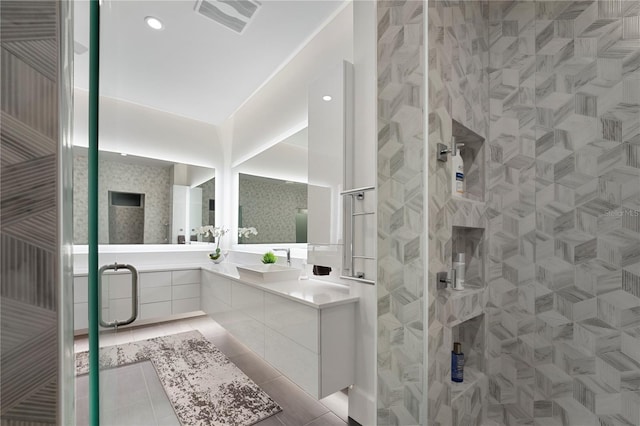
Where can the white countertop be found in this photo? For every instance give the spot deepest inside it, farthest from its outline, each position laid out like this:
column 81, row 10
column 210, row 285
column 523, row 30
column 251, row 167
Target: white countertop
column 315, row 293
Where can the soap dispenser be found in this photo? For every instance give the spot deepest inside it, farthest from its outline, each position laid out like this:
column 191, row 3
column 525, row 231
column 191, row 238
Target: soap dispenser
column 457, row 169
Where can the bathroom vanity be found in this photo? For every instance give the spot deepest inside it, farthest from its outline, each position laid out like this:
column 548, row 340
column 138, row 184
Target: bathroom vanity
column 304, row 328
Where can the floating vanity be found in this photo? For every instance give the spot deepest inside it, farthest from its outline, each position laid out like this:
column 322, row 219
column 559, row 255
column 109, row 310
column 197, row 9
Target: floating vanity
column 304, row 328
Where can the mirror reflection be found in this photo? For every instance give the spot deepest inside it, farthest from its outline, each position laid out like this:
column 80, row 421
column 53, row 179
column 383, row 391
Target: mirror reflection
column 143, row 200
column 276, row 208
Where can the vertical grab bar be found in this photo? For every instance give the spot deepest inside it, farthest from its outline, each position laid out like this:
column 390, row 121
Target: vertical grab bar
column 134, row 295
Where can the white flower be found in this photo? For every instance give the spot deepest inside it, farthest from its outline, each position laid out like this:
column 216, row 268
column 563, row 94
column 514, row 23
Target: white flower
column 210, row 230
column 247, row 232
column 205, row 230
column 219, row 231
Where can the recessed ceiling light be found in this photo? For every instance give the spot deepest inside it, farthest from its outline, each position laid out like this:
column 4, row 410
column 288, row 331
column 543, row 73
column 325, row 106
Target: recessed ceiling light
column 326, row 98
column 154, row 23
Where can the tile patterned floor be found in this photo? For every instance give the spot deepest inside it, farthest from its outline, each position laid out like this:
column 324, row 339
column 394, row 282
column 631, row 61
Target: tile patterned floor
column 139, row 398
column 298, row 408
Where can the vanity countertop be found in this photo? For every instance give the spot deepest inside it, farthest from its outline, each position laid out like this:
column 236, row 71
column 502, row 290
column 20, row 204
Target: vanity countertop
column 315, row 293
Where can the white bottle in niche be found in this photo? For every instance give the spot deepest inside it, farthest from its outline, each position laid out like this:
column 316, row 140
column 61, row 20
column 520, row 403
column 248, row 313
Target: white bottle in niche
column 457, row 170
column 458, row 266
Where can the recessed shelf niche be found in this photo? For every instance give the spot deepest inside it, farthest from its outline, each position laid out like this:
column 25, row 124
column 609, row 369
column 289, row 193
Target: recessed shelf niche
column 473, row 156
column 469, row 241
column 467, row 397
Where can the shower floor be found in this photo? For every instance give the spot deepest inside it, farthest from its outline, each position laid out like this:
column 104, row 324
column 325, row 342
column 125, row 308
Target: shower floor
column 130, row 395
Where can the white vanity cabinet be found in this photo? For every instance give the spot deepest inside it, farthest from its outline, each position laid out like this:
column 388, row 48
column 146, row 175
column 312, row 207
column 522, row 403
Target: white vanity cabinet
column 160, row 295
column 311, row 345
column 166, row 293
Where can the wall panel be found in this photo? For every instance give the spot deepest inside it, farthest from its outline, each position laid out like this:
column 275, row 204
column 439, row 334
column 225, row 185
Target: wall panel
column 28, row 212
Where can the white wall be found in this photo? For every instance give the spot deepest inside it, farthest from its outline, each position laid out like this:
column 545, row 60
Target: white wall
column 279, row 108
column 362, row 398
column 281, row 161
column 146, row 132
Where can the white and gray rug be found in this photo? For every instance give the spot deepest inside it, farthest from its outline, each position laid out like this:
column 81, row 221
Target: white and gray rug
column 204, row 387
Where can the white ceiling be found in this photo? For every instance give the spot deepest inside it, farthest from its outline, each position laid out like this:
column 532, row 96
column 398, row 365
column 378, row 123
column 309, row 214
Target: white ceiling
column 194, row 67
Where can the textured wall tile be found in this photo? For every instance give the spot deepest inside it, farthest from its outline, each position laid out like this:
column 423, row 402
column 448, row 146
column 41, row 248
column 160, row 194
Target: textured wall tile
column 28, row 212
column 401, row 208
column 618, row 371
column 596, row 395
column 596, row 336
column 573, row 360
column 619, row 248
column 597, row 277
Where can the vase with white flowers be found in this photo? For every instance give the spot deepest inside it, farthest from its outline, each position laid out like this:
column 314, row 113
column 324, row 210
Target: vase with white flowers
column 217, row 232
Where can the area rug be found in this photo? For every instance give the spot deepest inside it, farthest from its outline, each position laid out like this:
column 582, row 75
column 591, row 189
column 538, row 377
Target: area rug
column 204, row 387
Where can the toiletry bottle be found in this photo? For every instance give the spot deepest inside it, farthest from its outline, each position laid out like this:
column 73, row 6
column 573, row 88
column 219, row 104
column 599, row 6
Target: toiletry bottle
column 457, row 363
column 458, row 265
column 457, row 170
column 303, row 272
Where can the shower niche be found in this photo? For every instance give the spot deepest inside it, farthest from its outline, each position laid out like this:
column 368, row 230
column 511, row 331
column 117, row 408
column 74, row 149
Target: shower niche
column 469, row 241
column 470, row 148
column 468, row 398
column 126, row 218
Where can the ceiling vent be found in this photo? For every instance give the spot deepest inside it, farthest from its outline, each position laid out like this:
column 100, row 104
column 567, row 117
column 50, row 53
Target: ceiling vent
column 233, row 14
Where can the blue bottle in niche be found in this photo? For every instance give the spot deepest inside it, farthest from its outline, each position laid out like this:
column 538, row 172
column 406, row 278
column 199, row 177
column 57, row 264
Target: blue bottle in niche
column 457, row 363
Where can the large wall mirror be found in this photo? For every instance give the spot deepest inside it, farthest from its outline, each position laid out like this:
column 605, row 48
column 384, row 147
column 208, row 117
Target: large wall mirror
column 272, row 192
column 143, row 200
column 276, row 208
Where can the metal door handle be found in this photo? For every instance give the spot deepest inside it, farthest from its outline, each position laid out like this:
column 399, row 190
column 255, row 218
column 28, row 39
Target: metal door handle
column 134, row 295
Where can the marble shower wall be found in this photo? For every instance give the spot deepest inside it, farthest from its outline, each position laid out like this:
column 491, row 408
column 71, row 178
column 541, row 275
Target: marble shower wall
column 458, row 55
column 563, row 209
column 401, row 229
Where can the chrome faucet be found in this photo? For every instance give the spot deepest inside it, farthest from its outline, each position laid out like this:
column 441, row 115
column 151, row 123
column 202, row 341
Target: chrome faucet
column 288, row 254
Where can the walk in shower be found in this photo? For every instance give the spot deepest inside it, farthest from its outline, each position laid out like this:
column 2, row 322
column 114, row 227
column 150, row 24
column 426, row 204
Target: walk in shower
column 552, row 332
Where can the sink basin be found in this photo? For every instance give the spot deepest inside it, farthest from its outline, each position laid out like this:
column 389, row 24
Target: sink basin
column 268, row 273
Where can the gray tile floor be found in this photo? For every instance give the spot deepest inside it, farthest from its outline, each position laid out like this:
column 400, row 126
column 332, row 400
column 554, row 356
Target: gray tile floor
column 135, row 397
column 298, row 408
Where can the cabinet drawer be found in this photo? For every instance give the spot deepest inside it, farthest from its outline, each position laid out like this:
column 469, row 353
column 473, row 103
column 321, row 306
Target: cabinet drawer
column 292, row 319
column 155, row 294
column 210, row 304
column 293, row 360
column 217, row 287
column 155, row 310
column 119, row 310
column 248, row 300
column 249, row 331
column 185, row 305
column 185, row 291
column 191, row 276
column 120, row 286
column 155, row 279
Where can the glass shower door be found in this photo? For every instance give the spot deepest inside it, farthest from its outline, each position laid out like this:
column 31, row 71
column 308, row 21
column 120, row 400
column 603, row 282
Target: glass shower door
column 113, row 383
